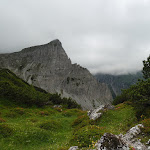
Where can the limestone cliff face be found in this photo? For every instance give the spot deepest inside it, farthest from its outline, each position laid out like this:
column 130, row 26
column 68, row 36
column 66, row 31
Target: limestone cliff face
column 48, row 67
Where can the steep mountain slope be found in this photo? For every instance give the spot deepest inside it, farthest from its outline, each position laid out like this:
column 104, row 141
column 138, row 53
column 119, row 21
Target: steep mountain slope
column 17, row 91
column 48, row 67
column 24, row 124
column 118, row 82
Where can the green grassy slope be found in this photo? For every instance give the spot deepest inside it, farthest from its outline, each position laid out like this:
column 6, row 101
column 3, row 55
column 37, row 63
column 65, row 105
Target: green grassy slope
column 26, row 122
column 116, row 121
column 18, row 91
column 26, row 126
column 49, row 128
column 35, row 128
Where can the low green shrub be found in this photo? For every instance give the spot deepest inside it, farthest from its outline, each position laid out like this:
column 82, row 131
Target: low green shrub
column 33, row 120
column 44, row 113
column 146, row 123
column 121, row 98
column 80, row 120
column 19, row 110
column 67, row 113
column 86, row 136
column 15, row 112
column 52, row 111
column 2, row 120
column 67, row 102
column 70, row 112
column 63, row 148
column 50, row 125
column 11, row 114
column 5, row 130
column 58, row 109
column 32, row 137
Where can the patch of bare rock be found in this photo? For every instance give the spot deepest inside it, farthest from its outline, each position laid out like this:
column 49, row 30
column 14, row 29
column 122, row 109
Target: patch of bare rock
column 122, row 142
column 97, row 113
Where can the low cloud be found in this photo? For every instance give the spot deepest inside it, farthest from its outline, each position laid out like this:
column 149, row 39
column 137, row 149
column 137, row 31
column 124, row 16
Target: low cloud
column 102, row 35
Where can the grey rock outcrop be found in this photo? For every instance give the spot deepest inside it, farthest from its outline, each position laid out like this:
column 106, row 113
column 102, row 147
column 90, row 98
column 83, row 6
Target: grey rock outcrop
column 130, row 138
column 148, row 142
column 122, row 142
column 73, row 148
column 97, row 113
column 48, row 67
column 111, row 142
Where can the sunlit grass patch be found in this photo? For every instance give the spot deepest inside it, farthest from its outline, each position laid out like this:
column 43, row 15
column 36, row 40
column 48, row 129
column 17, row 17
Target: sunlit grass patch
column 2, row 120
column 85, row 136
column 27, row 134
column 5, row 130
column 50, row 125
column 146, row 123
column 119, row 120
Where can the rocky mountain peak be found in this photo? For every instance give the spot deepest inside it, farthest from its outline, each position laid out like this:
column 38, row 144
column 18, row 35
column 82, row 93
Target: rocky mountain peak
column 51, row 46
column 55, row 42
column 48, row 67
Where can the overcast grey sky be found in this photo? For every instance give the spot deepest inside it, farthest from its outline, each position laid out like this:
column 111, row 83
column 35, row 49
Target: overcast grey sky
column 109, row 36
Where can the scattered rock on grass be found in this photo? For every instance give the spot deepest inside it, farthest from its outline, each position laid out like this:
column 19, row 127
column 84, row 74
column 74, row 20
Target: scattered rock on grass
column 110, row 142
column 73, row 148
column 130, row 138
column 57, row 106
column 96, row 113
column 148, row 142
column 2, row 120
column 122, row 142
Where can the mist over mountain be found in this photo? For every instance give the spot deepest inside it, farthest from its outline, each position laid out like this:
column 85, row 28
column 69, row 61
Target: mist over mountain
column 106, row 36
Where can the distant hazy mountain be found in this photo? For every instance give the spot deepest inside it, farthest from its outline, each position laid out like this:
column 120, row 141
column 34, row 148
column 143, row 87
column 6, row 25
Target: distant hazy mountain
column 118, row 82
column 48, row 67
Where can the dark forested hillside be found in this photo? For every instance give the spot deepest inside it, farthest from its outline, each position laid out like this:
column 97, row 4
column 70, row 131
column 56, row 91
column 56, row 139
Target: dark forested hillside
column 20, row 92
column 118, row 82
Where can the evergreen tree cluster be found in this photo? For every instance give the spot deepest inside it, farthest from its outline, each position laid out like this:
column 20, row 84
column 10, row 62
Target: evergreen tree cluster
column 138, row 94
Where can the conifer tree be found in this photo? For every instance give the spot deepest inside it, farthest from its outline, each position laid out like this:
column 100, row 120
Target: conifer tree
column 146, row 68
